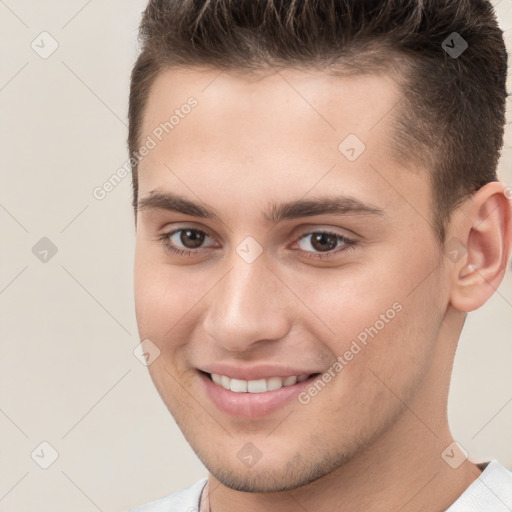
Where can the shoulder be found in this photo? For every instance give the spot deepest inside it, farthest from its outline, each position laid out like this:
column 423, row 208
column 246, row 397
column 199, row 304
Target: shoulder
column 185, row 500
column 490, row 492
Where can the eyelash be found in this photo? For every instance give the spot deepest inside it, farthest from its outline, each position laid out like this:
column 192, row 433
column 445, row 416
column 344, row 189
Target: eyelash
column 350, row 243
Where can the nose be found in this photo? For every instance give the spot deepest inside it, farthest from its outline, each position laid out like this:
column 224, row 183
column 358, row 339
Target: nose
column 248, row 306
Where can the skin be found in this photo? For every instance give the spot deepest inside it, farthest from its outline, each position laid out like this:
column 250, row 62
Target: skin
column 372, row 439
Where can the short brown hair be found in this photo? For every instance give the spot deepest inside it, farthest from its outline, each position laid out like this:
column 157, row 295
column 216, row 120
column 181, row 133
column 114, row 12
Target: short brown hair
column 451, row 117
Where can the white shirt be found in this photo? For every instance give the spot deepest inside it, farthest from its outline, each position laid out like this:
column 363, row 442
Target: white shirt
column 490, row 492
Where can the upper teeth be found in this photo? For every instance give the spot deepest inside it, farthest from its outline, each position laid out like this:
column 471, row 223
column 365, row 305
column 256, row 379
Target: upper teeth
column 256, row 386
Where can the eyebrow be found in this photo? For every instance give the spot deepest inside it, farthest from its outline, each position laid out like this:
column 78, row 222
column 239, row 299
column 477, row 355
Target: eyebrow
column 334, row 205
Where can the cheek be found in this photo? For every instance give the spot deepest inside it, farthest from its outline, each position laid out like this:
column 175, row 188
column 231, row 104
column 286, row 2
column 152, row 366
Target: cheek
column 168, row 302
column 157, row 291
column 398, row 354
column 377, row 325
column 150, row 301
column 351, row 304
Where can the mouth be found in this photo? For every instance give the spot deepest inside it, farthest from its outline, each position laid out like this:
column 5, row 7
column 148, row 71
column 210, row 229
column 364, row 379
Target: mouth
column 253, row 398
column 258, row 385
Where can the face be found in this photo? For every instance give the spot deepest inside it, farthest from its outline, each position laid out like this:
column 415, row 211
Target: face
column 307, row 254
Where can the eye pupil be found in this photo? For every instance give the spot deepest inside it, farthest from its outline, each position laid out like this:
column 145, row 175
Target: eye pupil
column 195, row 237
column 318, row 241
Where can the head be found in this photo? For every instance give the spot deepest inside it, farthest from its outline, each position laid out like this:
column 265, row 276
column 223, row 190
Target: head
column 301, row 129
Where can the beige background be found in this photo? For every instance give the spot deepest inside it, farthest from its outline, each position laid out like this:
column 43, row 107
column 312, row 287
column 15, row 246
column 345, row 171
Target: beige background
column 68, row 373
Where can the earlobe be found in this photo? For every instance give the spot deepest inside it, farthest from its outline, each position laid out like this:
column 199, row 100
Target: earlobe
column 484, row 231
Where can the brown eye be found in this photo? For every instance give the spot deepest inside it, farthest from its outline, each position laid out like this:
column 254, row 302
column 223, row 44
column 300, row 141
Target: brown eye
column 323, row 241
column 324, row 244
column 192, row 238
column 186, row 241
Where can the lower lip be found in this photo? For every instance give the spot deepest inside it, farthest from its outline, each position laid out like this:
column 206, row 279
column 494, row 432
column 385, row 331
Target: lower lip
column 251, row 405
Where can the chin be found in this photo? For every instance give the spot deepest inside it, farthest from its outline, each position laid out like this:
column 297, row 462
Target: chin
column 274, row 475
column 263, row 481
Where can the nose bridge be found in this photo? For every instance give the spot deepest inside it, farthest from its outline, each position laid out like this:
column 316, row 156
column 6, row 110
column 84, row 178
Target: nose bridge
column 247, row 305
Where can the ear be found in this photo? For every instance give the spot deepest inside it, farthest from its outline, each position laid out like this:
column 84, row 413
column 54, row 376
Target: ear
column 480, row 246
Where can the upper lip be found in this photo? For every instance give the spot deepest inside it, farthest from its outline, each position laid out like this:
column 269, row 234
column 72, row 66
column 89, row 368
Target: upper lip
column 254, row 372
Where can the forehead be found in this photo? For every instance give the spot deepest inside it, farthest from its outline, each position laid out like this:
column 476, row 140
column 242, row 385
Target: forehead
column 308, row 103
column 288, row 128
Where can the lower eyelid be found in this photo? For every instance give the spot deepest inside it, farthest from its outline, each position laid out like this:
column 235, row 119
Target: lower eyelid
column 333, row 253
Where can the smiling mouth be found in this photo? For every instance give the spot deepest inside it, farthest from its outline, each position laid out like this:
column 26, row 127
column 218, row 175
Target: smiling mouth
column 259, row 385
